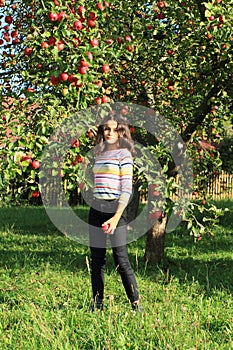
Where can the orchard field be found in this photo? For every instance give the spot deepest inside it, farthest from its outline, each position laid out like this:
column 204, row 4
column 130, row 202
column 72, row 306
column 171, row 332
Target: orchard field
column 172, row 61
column 45, row 290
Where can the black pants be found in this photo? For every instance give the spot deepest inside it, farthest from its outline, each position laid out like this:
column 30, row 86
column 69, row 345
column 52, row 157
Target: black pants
column 100, row 212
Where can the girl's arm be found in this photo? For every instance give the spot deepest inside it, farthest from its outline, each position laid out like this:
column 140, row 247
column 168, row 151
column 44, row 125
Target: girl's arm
column 126, row 178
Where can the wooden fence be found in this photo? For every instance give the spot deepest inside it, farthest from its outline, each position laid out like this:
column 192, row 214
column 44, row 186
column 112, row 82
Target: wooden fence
column 219, row 187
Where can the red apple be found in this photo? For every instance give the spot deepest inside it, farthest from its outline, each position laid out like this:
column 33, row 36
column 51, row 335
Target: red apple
column 6, row 37
column 76, row 42
column 128, row 38
column 170, row 52
column 64, row 76
column 105, row 99
column 156, row 215
column 16, row 41
column 211, row 18
column 84, row 63
column 74, row 143
column 35, row 164
column 28, row 51
column 161, row 16
column 92, row 16
column 105, row 227
column 81, row 10
column 60, row 45
column 129, row 48
column 61, row 15
column 90, row 56
column 36, row 194
column 99, row 83
column 51, row 41
column 105, row 68
column 44, row 44
column 82, row 70
column 109, row 41
column 171, row 87
column 30, row 90
column 221, row 19
column 94, row 42
column 132, row 129
column 98, row 100
column 54, row 80
column 53, row 16
column 26, row 159
column 100, row 6
column 79, row 159
column 91, row 23
column 72, row 79
column 161, row 4
column 8, row 19
column 14, row 34
column 77, row 25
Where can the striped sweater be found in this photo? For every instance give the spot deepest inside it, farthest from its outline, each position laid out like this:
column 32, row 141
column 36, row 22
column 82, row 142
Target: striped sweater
column 113, row 171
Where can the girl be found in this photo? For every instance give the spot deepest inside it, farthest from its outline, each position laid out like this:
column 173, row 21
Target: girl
column 113, row 170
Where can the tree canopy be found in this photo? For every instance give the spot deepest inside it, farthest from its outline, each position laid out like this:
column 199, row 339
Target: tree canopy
column 60, row 57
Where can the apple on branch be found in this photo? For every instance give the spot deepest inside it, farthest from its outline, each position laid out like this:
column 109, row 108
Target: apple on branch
column 94, row 42
column 35, row 164
column 74, row 143
column 105, row 68
column 36, row 194
column 64, row 76
column 156, row 215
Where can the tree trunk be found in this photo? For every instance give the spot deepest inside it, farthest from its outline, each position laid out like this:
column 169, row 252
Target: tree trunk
column 154, row 251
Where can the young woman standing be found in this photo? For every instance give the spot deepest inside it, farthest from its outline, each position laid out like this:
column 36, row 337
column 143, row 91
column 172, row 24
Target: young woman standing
column 113, row 170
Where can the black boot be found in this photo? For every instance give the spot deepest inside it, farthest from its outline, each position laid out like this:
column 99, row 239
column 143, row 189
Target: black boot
column 137, row 307
column 98, row 305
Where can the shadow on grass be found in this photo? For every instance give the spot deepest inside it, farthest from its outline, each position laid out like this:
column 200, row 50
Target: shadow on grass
column 32, row 220
column 208, row 262
column 30, row 241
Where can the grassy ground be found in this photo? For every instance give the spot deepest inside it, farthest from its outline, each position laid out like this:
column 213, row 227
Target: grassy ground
column 45, row 291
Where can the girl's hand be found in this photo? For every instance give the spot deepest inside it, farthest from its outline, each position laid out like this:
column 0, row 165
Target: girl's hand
column 110, row 225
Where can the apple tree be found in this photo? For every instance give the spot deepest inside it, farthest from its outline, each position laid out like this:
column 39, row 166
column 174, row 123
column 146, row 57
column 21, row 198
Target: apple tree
column 173, row 57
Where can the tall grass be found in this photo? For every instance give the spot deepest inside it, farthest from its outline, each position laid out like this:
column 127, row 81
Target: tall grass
column 45, row 290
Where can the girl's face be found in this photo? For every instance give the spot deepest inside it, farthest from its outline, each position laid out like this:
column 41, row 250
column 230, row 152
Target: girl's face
column 111, row 134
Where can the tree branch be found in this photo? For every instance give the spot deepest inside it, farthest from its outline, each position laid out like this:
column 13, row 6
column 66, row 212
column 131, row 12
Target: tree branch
column 201, row 8
column 201, row 112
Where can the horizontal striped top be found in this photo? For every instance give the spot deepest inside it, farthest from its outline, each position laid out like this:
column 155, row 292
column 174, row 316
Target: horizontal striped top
column 113, row 172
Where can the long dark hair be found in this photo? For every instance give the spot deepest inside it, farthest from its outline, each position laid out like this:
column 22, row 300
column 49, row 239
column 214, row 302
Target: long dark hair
column 125, row 139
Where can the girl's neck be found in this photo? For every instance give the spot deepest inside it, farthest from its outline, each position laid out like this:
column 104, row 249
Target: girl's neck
column 111, row 147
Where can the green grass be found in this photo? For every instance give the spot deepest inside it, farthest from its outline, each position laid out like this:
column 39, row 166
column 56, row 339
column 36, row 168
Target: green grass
column 45, row 290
